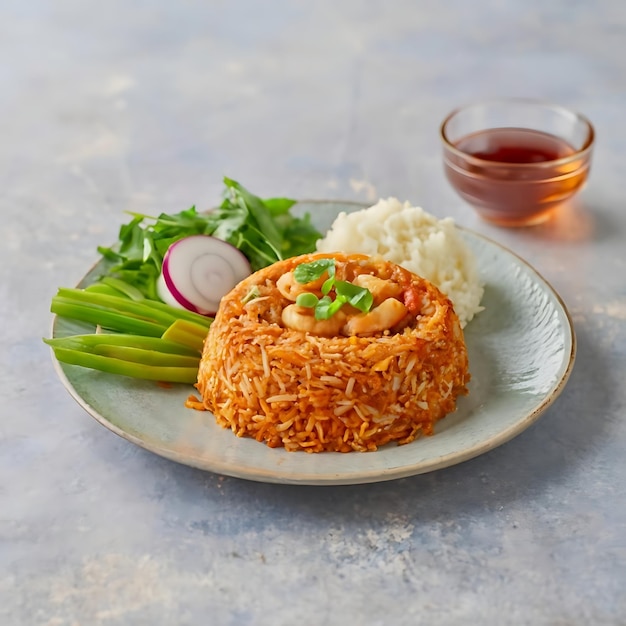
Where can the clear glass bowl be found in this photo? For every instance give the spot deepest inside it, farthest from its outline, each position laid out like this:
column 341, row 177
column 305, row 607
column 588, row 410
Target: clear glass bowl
column 516, row 160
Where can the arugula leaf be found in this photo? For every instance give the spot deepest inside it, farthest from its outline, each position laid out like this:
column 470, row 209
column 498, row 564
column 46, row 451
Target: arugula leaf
column 109, row 254
column 257, row 251
column 264, row 230
column 257, row 210
column 278, row 206
column 131, row 238
column 230, row 219
column 299, row 234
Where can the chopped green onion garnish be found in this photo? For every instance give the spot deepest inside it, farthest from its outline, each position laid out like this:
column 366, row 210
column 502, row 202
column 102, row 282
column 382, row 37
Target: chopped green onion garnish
column 251, row 295
column 308, row 300
column 345, row 292
column 327, row 307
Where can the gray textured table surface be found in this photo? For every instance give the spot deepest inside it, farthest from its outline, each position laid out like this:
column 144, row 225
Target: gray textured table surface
column 106, row 107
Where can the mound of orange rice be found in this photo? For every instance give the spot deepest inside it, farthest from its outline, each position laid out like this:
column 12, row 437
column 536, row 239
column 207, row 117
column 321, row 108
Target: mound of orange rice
column 306, row 391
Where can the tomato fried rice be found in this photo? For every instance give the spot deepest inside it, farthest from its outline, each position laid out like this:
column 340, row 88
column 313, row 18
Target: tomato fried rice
column 353, row 382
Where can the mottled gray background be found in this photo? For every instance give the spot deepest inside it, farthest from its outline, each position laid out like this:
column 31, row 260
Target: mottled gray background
column 111, row 106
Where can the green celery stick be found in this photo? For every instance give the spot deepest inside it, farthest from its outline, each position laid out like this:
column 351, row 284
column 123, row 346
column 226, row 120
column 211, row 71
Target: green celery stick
column 185, row 314
column 107, row 319
column 118, row 339
column 130, row 353
column 117, row 304
column 146, row 357
column 190, row 327
column 123, row 287
column 186, row 333
column 126, row 368
column 105, row 289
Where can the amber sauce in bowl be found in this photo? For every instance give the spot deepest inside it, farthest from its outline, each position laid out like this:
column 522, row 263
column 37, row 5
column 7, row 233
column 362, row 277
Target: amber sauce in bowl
column 516, row 175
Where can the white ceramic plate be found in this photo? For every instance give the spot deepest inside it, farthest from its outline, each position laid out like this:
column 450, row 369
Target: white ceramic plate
column 521, row 351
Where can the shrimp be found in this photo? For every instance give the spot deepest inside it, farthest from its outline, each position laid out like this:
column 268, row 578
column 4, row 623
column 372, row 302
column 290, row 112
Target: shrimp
column 302, row 318
column 291, row 289
column 379, row 288
column 383, row 317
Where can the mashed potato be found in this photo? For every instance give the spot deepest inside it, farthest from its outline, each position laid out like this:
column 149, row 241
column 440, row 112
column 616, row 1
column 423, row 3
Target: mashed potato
column 419, row 242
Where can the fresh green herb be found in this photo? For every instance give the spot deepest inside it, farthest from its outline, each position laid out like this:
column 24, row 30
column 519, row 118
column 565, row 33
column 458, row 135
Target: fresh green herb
column 278, row 206
column 264, row 230
column 309, row 272
column 359, row 297
column 329, row 283
column 345, row 292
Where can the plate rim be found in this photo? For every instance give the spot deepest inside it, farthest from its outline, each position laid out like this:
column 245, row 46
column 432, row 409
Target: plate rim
column 360, row 476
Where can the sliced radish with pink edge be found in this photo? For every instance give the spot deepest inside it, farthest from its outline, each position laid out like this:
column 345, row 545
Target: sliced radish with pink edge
column 198, row 271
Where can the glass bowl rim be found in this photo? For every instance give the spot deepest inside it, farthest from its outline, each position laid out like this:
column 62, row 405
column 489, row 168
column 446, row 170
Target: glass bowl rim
column 582, row 152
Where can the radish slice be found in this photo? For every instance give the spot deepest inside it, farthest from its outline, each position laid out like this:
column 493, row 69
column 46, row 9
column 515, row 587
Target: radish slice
column 198, row 271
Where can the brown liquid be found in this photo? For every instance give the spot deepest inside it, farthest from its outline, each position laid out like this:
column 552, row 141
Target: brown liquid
column 514, row 145
column 515, row 183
